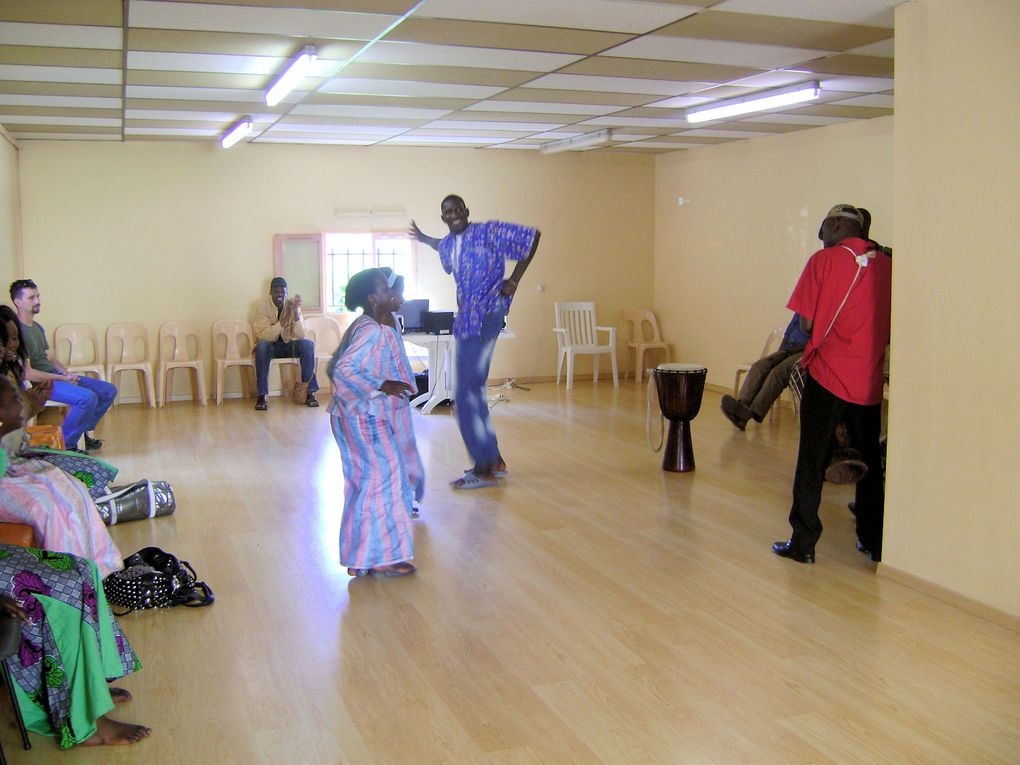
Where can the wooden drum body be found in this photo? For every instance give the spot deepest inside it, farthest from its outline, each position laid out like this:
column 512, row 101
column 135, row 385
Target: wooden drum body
column 680, row 387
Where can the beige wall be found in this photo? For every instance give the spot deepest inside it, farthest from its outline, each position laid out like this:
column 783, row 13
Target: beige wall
column 953, row 487
column 10, row 213
column 727, row 259
column 151, row 231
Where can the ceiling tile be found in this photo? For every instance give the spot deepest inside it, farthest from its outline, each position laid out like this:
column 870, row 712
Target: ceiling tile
column 155, row 14
column 59, row 74
column 452, row 74
column 719, row 133
column 633, row 17
column 60, row 35
column 870, row 12
column 84, row 102
column 614, row 84
column 69, row 57
column 535, row 106
column 866, row 66
column 338, row 110
column 613, row 66
column 92, row 13
column 552, row 95
column 481, row 34
column 451, row 55
column 466, row 124
column 360, row 86
column 672, row 48
column 776, row 30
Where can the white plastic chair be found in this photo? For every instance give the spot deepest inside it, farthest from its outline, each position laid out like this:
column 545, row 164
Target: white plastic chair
column 127, row 350
column 772, row 343
column 577, row 332
column 180, row 347
column 325, row 332
column 75, row 346
column 644, row 336
column 234, row 351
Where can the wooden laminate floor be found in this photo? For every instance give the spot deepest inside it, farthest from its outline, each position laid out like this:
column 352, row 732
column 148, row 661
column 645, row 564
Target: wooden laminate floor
column 593, row 609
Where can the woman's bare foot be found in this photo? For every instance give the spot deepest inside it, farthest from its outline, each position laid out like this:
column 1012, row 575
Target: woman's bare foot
column 120, row 695
column 112, row 733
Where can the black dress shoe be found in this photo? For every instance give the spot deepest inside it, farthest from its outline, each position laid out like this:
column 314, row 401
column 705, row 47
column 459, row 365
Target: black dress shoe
column 261, row 404
column 733, row 410
column 93, row 444
column 786, row 550
column 862, row 549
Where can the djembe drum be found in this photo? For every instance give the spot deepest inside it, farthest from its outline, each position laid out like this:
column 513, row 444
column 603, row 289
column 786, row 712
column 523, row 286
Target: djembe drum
column 680, row 387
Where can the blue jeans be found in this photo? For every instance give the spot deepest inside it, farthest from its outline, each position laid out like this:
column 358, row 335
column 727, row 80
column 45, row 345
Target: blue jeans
column 472, row 357
column 88, row 400
column 266, row 351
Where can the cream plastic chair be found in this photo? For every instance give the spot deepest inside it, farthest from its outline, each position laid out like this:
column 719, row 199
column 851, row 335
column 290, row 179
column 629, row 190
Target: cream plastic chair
column 127, row 350
column 76, row 348
column 576, row 332
column 644, row 336
column 325, row 332
column 180, row 347
column 233, row 341
column 772, row 343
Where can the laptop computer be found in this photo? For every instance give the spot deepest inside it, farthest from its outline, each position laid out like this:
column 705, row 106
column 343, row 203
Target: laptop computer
column 411, row 315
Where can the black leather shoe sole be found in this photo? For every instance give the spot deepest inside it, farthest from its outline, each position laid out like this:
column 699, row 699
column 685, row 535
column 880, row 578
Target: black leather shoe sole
column 785, row 550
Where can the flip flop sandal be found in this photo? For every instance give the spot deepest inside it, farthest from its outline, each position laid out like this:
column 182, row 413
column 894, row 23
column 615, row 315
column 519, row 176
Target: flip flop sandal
column 359, row 572
column 471, row 481
column 399, row 569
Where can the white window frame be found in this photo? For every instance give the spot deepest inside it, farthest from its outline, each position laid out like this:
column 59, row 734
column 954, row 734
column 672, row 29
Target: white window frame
column 321, row 302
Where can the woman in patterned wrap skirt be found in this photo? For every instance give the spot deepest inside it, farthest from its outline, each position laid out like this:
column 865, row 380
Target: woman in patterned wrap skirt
column 370, row 415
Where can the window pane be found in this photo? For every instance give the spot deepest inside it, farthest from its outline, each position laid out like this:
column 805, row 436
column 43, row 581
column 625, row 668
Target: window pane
column 350, row 252
column 301, row 268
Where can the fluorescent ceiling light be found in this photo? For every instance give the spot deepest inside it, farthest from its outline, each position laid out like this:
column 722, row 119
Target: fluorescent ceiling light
column 766, row 99
column 292, row 75
column 586, row 141
column 237, row 131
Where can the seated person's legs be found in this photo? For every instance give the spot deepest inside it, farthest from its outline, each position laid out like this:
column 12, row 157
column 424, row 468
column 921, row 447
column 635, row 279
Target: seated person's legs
column 105, row 394
column 304, row 349
column 83, row 404
column 51, row 596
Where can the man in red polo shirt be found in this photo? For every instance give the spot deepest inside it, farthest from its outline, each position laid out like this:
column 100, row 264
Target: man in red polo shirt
column 843, row 297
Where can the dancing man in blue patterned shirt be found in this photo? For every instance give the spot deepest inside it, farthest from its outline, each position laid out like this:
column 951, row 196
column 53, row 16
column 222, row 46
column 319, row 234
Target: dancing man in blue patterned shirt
column 475, row 254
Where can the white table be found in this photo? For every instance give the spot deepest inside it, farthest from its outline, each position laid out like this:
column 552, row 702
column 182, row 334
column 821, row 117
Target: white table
column 441, row 367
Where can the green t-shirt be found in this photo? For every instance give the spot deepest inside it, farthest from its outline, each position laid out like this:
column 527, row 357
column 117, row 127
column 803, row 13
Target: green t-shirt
column 36, row 345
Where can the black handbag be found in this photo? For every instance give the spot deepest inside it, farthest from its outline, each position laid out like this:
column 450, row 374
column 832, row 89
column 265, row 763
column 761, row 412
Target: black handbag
column 153, row 578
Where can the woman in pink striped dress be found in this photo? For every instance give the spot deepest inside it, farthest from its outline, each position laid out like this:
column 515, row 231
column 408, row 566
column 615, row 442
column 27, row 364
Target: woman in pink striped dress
column 370, row 415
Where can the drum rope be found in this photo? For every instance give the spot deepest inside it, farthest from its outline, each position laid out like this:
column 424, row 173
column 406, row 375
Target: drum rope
column 648, row 419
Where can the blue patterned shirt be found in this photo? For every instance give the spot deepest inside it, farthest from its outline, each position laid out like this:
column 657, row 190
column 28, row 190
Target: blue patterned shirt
column 478, row 267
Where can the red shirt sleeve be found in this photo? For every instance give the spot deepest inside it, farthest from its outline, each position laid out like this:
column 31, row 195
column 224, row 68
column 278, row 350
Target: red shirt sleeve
column 804, row 299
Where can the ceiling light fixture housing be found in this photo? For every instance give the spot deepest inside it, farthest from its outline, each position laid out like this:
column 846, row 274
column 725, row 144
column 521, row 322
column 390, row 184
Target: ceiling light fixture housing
column 766, row 99
column 236, row 132
column 292, row 75
column 578, row 142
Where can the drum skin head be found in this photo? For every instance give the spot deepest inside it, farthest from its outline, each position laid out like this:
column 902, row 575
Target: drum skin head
column 682, row 368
